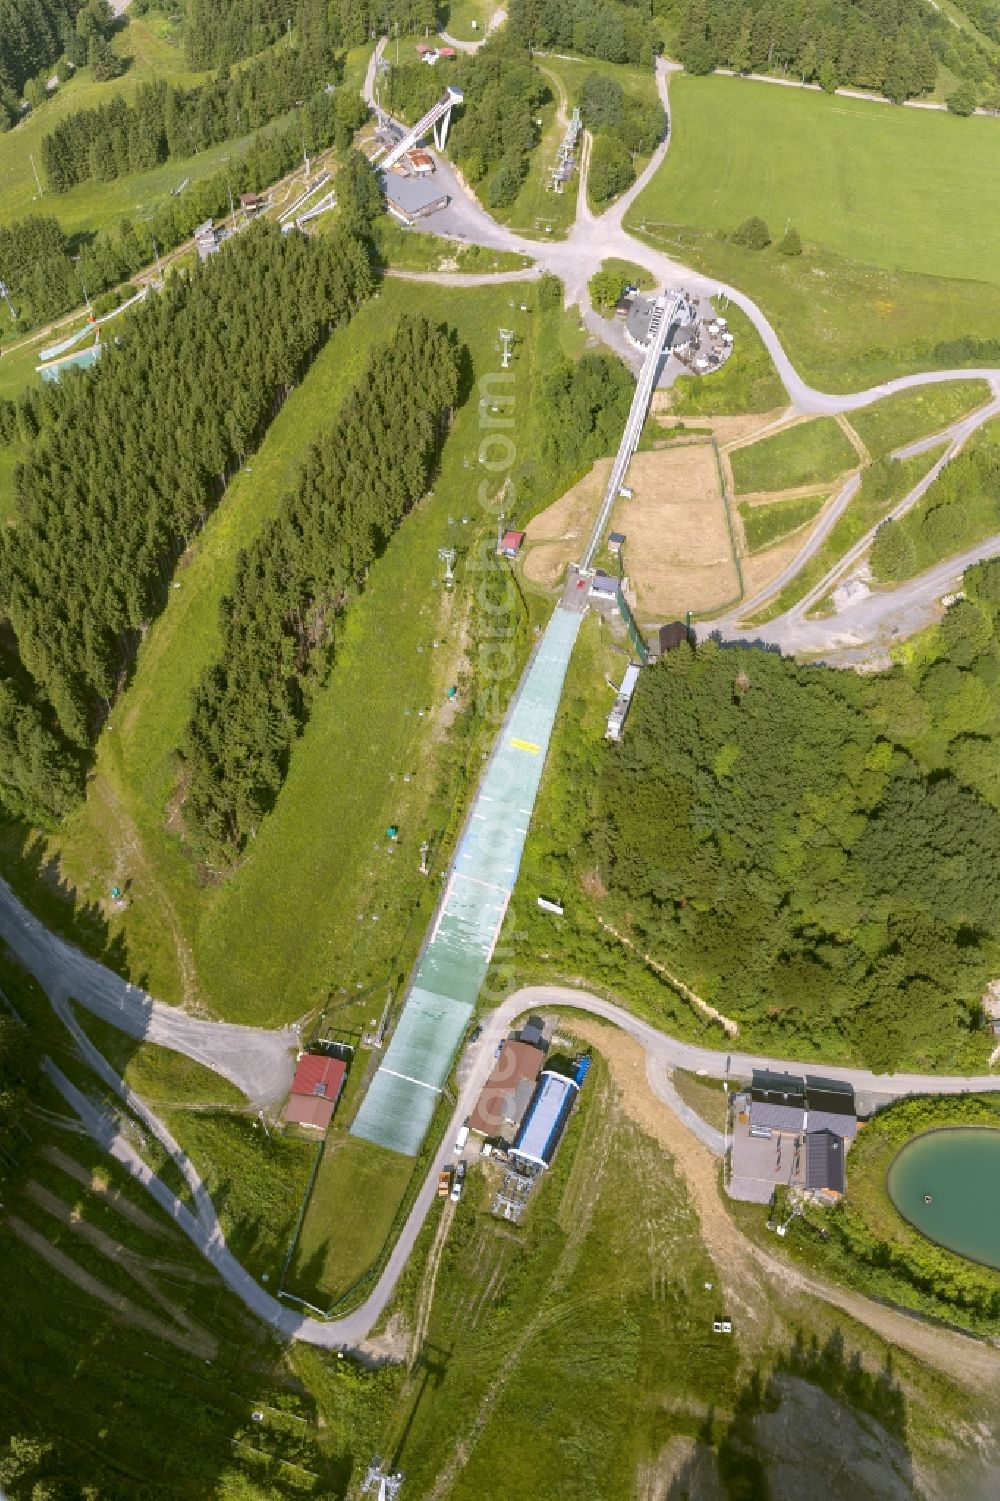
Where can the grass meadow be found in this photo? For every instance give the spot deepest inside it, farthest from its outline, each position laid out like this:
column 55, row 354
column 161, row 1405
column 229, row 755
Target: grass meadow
column 908, row 190
column 460, row 14
column 897, row 420
column 764, row 525
column 153, row 53
column 600, row 1290
column 132, row 1413
column 897, row 209
column 357, row 1193
column 883, row 485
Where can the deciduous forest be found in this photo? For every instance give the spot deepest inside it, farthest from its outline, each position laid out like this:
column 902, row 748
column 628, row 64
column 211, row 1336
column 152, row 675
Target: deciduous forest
column 812, row 851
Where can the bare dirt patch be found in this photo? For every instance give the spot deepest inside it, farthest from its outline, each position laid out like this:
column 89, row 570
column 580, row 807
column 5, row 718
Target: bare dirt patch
column 554, row 537
column 391, row 1347
column 762, row 567
column 678, row 554
column 745, row 1290
column 684, row 1468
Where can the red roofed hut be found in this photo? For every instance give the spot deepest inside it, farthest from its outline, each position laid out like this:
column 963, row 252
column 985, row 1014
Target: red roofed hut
column 315, row 1090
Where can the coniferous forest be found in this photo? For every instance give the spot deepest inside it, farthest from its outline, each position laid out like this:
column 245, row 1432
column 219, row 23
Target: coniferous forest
column 127, row 463
column 219, row 32
column 118, row 137
column 33, row 34
column 280, row 623
column 894, row 47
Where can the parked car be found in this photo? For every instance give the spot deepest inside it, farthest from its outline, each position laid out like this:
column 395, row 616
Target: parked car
column 458, row 1183
column 476, row 1033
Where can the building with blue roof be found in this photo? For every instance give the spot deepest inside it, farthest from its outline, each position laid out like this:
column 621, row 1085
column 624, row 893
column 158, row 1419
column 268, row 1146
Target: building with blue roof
column 543, row 1123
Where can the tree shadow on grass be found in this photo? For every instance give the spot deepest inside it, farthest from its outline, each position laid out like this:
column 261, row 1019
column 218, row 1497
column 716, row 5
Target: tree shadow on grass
column 818, row 1422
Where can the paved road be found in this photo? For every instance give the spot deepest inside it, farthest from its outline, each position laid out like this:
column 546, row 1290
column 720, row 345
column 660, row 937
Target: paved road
column 496, row 20
column 593, row 238
column 884, row 617
column 662, row 1053
column 260, row 1062
column 784, row 630
column 257, row 1060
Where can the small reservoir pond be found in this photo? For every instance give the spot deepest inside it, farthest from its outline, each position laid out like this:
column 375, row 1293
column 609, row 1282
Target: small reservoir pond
column 946, row 1184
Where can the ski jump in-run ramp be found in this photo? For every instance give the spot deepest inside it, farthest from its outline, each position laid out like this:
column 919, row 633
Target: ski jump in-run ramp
column 403, row 1095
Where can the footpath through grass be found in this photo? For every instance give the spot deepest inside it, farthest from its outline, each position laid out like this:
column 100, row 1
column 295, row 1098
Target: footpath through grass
column 883, row 485
column 961, row 508
column 127, row 1413
column 809, row 453
column 897, row 420
column 159, row 1075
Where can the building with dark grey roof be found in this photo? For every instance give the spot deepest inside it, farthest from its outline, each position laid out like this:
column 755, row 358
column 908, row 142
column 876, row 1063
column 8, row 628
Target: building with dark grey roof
column 824, row 1165
column 791, row 1130
column 412, row 198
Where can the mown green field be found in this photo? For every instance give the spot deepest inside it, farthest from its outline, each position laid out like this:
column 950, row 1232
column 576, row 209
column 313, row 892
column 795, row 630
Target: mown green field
column 883, row 484
column 358, row 1189
column 909, row 190
column 460, row 14
column 525, row 1320
column 320, row 906
column 809, row 453
column 893, row 207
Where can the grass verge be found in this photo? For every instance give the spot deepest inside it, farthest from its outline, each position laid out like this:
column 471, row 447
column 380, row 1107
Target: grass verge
column 766, row 524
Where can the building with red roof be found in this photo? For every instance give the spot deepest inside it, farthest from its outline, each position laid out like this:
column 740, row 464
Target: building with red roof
column 315, row 1090
column 510, row 544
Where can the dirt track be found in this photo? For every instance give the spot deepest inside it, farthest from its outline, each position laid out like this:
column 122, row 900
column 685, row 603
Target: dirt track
column 743, row 1266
